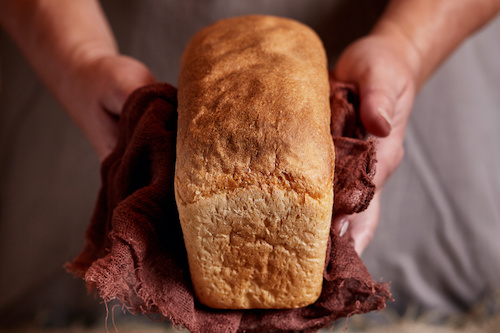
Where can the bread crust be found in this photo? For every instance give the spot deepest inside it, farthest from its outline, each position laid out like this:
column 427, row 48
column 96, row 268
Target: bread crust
column 255, row 163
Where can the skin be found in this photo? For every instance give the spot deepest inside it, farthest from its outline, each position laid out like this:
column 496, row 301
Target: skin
column 72, row 49
column 389, row 66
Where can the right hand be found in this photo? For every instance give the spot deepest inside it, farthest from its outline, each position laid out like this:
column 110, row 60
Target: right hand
column 95, row 92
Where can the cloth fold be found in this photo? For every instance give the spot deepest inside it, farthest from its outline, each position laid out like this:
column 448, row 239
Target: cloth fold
column 135, row 251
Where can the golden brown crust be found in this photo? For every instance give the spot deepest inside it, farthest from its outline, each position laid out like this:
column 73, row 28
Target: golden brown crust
column 254, row 169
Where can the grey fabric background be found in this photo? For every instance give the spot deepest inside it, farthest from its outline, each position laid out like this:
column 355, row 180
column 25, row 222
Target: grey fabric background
column 437, row 239
column 440, row 224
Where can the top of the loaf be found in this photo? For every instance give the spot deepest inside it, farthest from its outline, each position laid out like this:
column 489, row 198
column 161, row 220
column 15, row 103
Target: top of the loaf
column 254, row 109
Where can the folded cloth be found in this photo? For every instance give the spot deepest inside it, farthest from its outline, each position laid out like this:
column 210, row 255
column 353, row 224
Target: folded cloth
column 135, row 251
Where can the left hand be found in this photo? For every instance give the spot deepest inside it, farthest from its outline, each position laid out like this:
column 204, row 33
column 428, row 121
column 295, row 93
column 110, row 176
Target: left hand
column 383, row 70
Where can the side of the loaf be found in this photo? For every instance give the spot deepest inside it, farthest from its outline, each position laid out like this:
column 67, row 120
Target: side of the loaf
column 255, row 163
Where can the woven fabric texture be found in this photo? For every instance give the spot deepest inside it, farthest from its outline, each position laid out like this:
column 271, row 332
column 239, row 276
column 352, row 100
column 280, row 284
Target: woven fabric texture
column 135, row 251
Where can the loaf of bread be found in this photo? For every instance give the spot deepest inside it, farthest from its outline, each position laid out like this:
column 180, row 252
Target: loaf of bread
column 255, row 163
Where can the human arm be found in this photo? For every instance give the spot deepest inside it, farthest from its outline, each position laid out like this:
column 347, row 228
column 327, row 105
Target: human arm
column 72, row 49
column 405, row 47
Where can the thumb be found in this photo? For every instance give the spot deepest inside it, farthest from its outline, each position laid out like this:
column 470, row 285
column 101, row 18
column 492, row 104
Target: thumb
column 377, row 103
column 127, row 75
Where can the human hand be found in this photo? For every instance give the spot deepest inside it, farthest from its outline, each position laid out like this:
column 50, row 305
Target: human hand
column 71, row 47
column 382, row 66
column 94, row 93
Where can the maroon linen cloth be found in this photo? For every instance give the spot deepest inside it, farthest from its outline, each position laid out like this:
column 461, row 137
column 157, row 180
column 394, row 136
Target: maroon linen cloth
column 135, row 251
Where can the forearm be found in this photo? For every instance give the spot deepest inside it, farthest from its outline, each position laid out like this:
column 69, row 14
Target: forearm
column 432, row 29
column 56, row 36
column 72, row 49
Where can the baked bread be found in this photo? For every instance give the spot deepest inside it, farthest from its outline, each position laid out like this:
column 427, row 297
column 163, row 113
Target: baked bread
column 255, row 163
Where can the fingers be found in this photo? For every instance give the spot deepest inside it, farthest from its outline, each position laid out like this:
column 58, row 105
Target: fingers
column 381, row 70
column 363, row 225
column 360, row 227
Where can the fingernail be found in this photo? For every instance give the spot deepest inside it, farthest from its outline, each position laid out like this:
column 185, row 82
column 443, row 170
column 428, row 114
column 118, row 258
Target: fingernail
column 343, row 227
column 383, row 113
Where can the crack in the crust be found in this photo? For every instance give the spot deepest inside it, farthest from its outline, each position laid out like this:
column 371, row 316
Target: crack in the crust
column 279, row 180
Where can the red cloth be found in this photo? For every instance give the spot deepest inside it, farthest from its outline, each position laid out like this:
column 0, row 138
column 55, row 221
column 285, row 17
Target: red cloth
column 135, row 250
